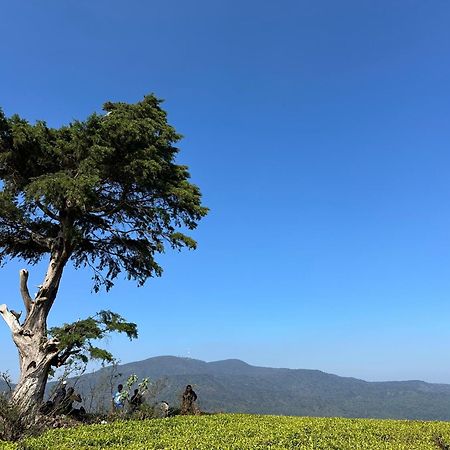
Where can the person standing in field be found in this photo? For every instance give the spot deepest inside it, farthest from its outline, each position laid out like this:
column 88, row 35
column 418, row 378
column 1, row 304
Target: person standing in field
column 136, row 401
column 188, row 405
column 117, row 399
column 164, row 409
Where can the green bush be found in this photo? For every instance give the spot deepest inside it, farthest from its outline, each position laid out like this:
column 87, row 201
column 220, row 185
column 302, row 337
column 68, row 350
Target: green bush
column 12, row 426
column 228, row 431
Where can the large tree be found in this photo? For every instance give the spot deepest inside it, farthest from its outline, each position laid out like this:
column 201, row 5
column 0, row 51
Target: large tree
column 105, row 193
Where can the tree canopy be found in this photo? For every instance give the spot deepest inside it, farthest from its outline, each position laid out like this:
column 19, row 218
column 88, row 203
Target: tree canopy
column 105, row 192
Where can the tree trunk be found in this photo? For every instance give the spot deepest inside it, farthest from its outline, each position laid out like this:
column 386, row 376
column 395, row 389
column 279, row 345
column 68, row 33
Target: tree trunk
column 36, row 350
column 35, row 365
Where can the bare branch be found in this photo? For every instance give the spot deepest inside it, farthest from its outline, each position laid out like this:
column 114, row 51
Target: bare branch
column 7, row 379
column 27, row 300
column 41, row 240
column 51, row 345
column 61, row 359
column 47, row 211
column 10, row 319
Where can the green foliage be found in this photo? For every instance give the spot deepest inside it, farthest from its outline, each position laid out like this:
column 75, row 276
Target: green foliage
column 76, row 339
column 132, row 380
column 107, row 187
column 226, row 432
column 145, row 411
column 11, row 424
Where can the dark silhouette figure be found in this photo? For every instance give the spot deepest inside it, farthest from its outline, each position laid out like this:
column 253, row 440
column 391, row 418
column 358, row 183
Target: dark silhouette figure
column 62, row 404
column 188, row 405
column 136, row 400
column 55, row 406
column 67, row 404
column 46, row 408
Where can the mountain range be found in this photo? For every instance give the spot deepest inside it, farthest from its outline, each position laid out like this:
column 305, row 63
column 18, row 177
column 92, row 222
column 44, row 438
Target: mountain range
column 235, row 386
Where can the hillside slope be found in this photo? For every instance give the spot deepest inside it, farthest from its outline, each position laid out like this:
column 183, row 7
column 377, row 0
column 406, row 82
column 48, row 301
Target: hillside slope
column 234, row 386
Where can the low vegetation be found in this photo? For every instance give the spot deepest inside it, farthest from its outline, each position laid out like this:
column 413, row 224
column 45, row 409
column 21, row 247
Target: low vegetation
column 237, row 431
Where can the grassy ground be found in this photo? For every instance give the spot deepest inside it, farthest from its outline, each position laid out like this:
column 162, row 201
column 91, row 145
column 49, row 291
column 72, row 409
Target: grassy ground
column 236, row 431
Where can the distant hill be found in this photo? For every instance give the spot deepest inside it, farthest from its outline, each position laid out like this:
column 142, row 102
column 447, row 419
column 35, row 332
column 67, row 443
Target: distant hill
column 3, row 386
column 234, row 386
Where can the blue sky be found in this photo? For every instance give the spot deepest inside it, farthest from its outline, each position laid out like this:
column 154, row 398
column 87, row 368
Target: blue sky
column 318, row 133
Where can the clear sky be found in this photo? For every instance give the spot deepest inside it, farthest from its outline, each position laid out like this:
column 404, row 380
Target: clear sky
column 318, row 131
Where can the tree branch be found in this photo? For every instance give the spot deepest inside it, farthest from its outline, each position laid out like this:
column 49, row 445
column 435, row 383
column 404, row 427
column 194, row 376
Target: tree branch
column 62, row 358
column 27, row 300
column 47, row 211
column 51, row 346
column 41, row 240
column 10, row 319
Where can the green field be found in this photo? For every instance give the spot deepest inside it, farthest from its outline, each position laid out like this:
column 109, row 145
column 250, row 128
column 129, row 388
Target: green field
column 237, row 431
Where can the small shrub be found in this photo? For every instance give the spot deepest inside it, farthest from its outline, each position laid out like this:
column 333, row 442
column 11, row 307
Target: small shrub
column 144, row 411
column 12, row 425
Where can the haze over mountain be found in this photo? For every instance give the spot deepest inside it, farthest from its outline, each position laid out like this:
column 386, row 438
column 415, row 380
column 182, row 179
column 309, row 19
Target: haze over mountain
column 235, row 386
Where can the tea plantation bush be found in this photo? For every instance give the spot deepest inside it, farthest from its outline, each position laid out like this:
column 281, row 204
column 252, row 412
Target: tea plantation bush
column 229, row 431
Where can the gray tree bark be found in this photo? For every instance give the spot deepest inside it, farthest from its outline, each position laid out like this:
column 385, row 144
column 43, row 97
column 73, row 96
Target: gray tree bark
column 36, row 350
